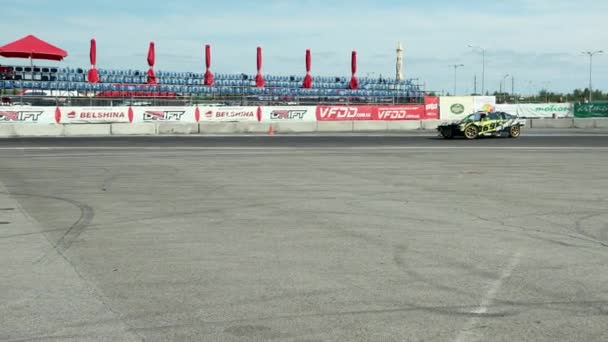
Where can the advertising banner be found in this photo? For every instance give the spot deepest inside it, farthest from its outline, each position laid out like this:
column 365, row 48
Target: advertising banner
column 371, row 113
column 91, row 115
column 538, row 110
column 292, row 114
column 400, row 112
column 484, row 103
column 591, row 110
column 28, row 115
column 344, row 113
column 455, row 107
column 163, row 114
column 432, row 107
column 228, row 114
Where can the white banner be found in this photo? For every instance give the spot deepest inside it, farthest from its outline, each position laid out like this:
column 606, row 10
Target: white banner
column 291, row 114
column 538, row 110
column 224, row 114
column 28, row 115
column 455, row 107
column 95, row 115
column 163, row 114
column 484, row 103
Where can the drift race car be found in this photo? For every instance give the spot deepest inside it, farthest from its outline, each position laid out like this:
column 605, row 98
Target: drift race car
column 483, row 124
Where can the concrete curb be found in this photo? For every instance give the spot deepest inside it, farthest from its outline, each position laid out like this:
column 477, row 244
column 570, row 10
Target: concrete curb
column 552, row 123
column 175, row 128
column 134, row 129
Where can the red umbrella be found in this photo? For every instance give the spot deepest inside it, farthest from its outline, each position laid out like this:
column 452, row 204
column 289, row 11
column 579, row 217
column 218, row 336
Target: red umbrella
column 208, row 75
column 34, row 48
column 354, row 83
column 259, row 79
column 151, row 60
column 93, row 76
column 307, row 79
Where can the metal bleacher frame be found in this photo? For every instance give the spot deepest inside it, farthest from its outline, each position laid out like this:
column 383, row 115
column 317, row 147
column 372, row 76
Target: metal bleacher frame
column 116, row 86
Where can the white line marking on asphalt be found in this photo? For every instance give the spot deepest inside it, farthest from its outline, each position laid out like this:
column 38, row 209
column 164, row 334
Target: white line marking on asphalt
column 320, row 148
column 470, row 332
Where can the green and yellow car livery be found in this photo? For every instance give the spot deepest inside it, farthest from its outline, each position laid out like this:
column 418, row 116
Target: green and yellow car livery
column 483, row 124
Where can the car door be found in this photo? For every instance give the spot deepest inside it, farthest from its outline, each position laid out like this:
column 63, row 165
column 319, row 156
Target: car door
column 489, row 123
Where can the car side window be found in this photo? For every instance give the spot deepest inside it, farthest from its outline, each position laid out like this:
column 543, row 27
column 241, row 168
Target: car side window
column 494, row 116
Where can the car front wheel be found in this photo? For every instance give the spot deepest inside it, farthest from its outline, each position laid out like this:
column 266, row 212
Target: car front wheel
column 471, row 132
column 515, row 131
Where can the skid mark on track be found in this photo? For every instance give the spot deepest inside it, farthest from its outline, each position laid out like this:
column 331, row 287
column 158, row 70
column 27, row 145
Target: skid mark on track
column 86, row 217
column 471, row 332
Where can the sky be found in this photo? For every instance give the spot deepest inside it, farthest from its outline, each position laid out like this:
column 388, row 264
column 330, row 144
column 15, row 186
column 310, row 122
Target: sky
column 538, row 42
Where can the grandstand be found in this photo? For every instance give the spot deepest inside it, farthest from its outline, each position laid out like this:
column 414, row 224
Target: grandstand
column 54, row 81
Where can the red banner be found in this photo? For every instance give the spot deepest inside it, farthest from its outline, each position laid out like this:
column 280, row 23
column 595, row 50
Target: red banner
column 431, row 104
column 372, row 113
column 344, row 113
column 400, row 112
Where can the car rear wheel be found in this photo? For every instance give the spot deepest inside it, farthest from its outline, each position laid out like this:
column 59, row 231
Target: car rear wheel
column 471, row 132
column 515, row 131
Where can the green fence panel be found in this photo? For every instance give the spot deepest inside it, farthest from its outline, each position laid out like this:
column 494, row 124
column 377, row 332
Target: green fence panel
column 591, row 110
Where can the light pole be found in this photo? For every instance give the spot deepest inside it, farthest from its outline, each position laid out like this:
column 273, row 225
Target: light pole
column 483, row 66
column 455, row 66
column 590, row 54
column 503, row 85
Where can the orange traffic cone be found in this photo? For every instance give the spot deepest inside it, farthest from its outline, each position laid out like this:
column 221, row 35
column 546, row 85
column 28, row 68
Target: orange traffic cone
column 271, row 130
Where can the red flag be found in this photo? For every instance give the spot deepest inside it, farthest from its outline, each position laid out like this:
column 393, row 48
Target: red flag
column 259, row 79
column 208, row 75
column 151, row 60
column 308, row 79
column 93, row 76
column 354, row 83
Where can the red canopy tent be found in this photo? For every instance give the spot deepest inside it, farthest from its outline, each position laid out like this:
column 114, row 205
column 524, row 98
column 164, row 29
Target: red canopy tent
column 33, row 48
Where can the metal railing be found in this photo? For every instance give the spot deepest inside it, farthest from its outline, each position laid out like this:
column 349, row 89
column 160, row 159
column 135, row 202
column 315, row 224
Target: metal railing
column 191, row 100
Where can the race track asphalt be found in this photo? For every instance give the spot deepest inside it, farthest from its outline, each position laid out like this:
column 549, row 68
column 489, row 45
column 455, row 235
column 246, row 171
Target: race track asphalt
column 304, row 238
